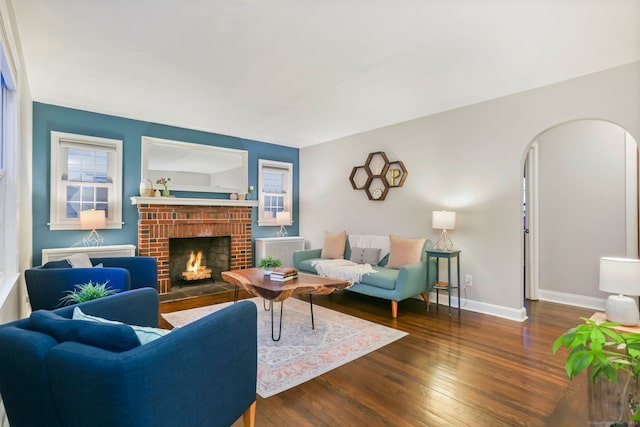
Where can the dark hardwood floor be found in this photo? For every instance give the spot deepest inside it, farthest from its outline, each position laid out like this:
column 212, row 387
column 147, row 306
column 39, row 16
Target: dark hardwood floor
column 478, row 370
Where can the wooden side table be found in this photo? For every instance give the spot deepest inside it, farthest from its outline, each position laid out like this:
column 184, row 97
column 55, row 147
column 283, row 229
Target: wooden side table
column 445, row 286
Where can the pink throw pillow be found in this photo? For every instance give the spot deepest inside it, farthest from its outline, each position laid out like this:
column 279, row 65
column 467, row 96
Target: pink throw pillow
column 334, row 244
column 404, row 251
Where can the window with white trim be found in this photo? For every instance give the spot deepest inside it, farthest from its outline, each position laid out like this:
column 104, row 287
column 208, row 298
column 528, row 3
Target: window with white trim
column 275, row 190
column 86, row 173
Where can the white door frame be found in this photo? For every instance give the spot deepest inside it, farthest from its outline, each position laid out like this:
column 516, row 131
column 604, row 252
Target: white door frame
column 631, row 188
column 531, row 239
column 531, row 281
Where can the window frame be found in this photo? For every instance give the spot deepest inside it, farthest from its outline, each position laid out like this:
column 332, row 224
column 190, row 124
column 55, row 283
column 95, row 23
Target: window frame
column 9, row 173
column 288, row 198
column 58, row 202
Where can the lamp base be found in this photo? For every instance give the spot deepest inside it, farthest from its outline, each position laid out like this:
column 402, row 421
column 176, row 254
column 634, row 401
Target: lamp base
column 282, row 232
column 621, row 309
column 93, row 239
column 444, row 243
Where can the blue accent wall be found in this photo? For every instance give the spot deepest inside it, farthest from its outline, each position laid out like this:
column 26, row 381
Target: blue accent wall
column 47, row 118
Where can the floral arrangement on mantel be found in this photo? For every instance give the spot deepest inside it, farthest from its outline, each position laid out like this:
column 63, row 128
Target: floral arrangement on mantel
column 165, row 183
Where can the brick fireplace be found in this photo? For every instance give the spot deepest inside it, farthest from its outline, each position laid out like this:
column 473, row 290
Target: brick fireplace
column 161, row 219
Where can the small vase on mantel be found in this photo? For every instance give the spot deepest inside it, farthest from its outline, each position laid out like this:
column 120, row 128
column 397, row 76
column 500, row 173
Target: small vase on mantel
column 165, row 192
column 146, row 188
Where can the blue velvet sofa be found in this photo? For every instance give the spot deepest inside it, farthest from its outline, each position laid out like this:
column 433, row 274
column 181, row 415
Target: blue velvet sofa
column 47, row 283
column 201, row 374
column 394, row 284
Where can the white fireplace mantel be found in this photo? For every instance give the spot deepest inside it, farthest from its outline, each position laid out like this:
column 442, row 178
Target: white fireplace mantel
column 188, row 201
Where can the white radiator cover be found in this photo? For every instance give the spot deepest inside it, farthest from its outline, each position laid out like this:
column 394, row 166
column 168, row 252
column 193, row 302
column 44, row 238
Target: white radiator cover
column 281, row 248
column 55, row 254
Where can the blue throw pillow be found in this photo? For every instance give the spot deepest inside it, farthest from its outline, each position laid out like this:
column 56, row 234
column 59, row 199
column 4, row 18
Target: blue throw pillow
column 108, row 336
column 145, row 334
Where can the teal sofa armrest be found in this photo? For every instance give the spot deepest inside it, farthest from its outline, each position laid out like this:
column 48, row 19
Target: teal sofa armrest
column 299, row 256
column 412, row 280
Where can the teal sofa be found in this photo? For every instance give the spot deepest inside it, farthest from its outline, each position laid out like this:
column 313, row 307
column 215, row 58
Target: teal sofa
column 394, row 284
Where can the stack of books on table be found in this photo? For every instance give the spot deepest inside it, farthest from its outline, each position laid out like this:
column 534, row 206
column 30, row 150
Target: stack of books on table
column 284, row 274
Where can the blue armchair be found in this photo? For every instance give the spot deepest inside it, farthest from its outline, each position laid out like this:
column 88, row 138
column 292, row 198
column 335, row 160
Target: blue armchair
column 202, row 374
column 47, row 283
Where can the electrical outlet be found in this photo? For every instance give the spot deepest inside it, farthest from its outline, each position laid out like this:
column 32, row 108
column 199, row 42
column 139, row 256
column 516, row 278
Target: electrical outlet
column 468, row 280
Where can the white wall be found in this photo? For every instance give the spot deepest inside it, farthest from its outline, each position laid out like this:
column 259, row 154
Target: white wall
column 581, row 205
column 470, row 160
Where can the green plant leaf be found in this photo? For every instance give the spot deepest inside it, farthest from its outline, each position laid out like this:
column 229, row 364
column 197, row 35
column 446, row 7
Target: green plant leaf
column 270, row 262
column 87, row 292
column 578, row 361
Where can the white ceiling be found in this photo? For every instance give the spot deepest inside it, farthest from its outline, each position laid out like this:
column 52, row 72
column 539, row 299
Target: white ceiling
column 302, row 72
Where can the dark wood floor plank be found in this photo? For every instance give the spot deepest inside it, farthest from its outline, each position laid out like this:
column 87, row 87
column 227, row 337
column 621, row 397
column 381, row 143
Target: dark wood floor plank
column 470, row 370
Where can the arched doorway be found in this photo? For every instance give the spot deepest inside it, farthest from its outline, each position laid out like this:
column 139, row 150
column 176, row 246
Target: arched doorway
column 580, row 202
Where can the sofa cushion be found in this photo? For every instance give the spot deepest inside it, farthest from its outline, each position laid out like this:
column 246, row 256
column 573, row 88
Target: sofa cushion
column 108, row 336
column 334, row 245
column 384, row 278
column 145, row 334
column 60, row 263
column 365, row 255
column 404, row 251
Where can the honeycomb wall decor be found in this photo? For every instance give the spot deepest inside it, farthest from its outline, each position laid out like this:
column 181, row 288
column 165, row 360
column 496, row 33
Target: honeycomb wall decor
column 378, row 175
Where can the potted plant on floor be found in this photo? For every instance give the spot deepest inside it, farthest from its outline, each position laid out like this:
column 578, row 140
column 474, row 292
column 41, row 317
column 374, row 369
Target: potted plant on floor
column 268, row 264
column 608, row 352
column 86, row 292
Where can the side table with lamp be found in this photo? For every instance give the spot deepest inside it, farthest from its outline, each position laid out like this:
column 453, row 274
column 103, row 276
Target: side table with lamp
column 445, row 220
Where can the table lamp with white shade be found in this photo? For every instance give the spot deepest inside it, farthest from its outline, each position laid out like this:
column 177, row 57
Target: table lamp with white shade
column 620, row 276
column 444, row 220
column 92, row 220
column 283, row 218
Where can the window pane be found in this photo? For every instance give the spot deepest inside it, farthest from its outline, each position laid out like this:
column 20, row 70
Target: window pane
column 73, row 193
column 72, row 210
column 102, row 194
column 87, row 165
column 87, row 194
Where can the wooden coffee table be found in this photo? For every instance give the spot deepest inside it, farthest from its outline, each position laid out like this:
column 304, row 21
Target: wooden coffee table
column 256, row 283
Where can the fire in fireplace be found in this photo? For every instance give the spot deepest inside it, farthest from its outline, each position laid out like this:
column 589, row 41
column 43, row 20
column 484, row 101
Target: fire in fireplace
column 195, row 268
column 198, row 260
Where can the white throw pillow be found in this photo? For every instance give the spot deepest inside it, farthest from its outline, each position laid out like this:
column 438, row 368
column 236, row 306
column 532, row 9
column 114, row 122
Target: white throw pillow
column 79, row 261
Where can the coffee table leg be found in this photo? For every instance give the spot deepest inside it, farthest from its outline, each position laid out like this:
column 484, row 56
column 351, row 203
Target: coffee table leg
column 313, row 326
column 235, row 294
column 280, row 331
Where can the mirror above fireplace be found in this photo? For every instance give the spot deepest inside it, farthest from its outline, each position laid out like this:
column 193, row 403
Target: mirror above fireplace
column 195, row 167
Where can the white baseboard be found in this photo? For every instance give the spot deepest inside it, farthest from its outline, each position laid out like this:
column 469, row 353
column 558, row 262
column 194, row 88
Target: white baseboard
column 520, row 315
column 572, row 299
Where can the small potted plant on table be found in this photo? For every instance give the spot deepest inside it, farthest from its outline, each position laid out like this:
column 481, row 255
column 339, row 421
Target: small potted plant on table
column 268, row 264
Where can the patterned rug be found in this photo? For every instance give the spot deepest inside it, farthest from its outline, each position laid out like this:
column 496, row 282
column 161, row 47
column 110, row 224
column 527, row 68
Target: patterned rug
column 302, row 353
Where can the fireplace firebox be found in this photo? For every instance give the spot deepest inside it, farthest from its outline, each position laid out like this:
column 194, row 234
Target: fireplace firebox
column 198, row 260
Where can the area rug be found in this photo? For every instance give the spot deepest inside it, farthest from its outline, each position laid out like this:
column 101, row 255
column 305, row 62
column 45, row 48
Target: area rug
column 302, row 353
